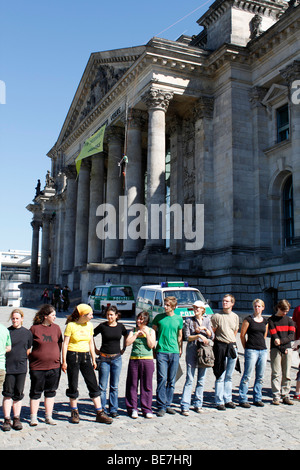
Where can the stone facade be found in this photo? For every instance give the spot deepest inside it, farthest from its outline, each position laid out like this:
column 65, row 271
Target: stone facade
column 207, row 120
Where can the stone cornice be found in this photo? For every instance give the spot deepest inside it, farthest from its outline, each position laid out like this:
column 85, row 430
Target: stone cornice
column 264, row 7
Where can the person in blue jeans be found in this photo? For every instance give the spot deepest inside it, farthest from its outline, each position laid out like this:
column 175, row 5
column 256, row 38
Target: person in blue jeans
column 168, row 326
column 197, row 329
column 110, row 357
column 225, row 325
column 254, row 331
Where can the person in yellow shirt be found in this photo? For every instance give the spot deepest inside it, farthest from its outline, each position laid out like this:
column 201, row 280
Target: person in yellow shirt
column 78, row 355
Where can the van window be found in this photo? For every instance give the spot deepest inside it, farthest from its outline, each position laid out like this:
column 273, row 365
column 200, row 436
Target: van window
column 149, row 296
column 141, row 295
column 184, row 297
column 121, row 291
column 94, row 291
column 158, row 299
column 98, row 291
column 104, row 291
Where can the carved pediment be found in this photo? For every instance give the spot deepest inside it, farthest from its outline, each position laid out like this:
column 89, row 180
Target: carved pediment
column 102, row 73
column 106, row 77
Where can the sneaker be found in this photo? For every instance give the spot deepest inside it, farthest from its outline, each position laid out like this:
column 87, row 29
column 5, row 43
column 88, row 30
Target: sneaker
column 170, row 411
column 6, row 425
column 103, row 418
column 258, row 403
column 49, row 420
column 134, row 414
column 161, row 413
column 296, row 397
column 33, row 420
column 149, row 415
column 184, row 412
column 17, row 425
column 230, row 404
column 74, row 417
column 245, row 404
column 287, row 401
column 114, row 415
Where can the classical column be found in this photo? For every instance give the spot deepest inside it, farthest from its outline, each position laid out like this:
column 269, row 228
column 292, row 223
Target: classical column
column 82, row 214
column 96, row 199
column 157, row 102
column 134, row 184
column 204, row 174
column 70, row 219
column 261, row 225
column 114, row 188
column 176, row 180
column 292, row 73
column 35, row 224
column 44, row 269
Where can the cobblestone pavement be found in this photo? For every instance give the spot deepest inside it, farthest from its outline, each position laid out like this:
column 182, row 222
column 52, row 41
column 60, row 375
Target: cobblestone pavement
column 271, row 427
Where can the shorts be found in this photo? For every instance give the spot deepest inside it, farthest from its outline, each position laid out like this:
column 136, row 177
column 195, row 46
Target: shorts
column 46, row 381
column 13, row 386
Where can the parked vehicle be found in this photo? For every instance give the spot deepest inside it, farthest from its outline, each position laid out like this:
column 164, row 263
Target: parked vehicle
column 151, row 299
column 112, row 294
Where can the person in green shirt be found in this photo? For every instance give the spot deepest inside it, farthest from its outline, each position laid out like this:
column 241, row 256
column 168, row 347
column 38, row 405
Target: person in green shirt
column 168, row 326
column 5, row 346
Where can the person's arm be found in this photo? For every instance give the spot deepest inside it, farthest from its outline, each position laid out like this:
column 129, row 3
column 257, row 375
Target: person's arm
column 131, row 337
column 92, row 352
column 243, row 333
column 64, row 353
column 179, row 339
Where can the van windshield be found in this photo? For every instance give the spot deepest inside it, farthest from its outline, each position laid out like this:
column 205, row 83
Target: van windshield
column 121, row 291
column 185, row 297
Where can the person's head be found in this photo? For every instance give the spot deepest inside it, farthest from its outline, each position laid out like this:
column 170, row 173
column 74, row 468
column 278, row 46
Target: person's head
column 282, row 307
column 228, row 302
column 82, row 313
column 142, row 318
column 112, row 314
column 45, row 314
column 258, row 306
column 199, row 307
column 170, row 303
column 16, row 317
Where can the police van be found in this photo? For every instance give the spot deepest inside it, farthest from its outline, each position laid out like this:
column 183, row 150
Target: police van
column 151, row 299
column 106, row 295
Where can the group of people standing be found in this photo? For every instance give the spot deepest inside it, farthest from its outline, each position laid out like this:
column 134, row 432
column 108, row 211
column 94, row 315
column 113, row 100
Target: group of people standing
column 49, row 352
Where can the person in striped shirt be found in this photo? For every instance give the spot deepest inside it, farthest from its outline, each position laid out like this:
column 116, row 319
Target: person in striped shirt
column 282, row 331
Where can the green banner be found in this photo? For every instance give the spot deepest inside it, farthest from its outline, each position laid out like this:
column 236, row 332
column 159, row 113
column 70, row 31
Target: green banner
column 91, row 146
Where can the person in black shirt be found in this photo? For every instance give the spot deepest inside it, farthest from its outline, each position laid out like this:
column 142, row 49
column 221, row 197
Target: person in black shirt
column 16, row 369
column 253, row 333
column 110, row 355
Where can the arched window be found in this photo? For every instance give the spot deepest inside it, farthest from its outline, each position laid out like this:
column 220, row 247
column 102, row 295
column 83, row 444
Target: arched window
column 288, row 212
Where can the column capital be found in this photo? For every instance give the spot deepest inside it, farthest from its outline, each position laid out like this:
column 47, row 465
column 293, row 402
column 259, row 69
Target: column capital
column 115, row 133
column 204, row 107
column 36, row 224
column 70, row 171
column 157, row 99
column 291, row 72
column 256, row 95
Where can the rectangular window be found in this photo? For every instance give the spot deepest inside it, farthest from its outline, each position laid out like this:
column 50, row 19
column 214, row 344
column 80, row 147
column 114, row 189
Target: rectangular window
column 283, row 123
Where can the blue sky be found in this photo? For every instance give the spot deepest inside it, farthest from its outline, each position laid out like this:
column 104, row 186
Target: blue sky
column 44, row 48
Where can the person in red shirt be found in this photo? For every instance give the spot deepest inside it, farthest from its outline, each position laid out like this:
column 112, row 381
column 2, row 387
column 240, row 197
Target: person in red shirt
column 44, row 362
column 296, row 319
